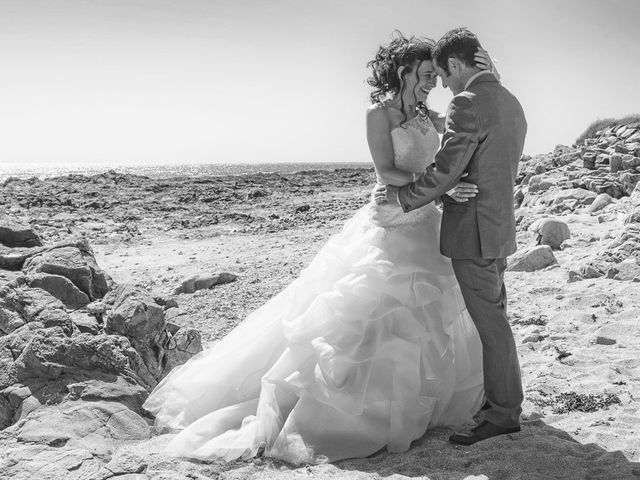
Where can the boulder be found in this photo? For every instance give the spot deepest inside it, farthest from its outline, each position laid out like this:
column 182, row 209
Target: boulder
column 584, row 197
column 627, row 270
column 14, row 258
column 60, row 287
column 16, row 234
column 20, row 305
column 76, row 264
column 203, row 281
column 94, row 425
column 600, row 202
column 550, row 232
column 51, row 355
column 183, row 345
column 135, row 315
column 531, row 259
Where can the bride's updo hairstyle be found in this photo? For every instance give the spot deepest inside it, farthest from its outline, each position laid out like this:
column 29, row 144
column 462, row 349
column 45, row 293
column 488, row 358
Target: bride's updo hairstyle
column 400, row 52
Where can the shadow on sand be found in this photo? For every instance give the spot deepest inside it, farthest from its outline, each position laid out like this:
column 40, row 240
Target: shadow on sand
column 539, row 451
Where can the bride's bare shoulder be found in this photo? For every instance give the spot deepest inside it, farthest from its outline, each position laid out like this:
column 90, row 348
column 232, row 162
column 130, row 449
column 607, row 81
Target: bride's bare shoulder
column 379, row 114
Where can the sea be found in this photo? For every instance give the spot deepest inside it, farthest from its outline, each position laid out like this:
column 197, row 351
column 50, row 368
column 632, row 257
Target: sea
column 176, row 170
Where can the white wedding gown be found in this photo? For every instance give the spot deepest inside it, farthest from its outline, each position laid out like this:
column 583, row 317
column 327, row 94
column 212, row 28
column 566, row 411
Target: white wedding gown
column 371, row 345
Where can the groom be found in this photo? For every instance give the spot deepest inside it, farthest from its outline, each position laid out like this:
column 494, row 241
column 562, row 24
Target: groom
column 484, row 138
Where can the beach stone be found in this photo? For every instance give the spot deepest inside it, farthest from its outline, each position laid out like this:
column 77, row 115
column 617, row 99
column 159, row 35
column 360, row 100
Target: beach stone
column 615, row 163
column 600, row 340
column 133, row 313
column 22, row 305
column 601, row 201
column 94, row 425
column 50, row 354
column 60, row 287
column 16, row 234
column 531, row 259
column 42, row 462
column 184, row 344
column 626, row 270
column 77, row 265
column 14, row 258
column 540, row 183
column 584, row 197
column 204, row 281
column 85, row 322
column 550, row 232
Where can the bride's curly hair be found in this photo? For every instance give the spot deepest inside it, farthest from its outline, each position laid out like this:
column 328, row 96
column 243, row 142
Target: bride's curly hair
column 401, row 51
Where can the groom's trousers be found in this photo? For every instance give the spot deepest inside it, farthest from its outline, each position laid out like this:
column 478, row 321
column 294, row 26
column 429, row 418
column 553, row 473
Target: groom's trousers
column 482, row 283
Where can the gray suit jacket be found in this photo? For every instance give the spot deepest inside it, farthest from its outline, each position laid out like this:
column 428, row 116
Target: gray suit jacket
column 484, row 136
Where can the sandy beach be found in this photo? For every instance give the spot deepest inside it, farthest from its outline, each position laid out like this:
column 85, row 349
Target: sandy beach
column 579, row 342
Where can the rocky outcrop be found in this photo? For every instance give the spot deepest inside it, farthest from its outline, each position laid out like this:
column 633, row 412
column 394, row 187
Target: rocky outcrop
column 78, row 355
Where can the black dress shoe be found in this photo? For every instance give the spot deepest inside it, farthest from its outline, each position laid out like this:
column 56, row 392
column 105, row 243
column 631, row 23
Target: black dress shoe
column 481, row 432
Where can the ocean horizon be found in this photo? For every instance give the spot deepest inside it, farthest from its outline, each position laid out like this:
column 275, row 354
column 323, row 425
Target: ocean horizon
column 176, row 170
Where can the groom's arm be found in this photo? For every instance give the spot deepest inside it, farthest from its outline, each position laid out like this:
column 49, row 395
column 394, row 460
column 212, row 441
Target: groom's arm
column 460, row 139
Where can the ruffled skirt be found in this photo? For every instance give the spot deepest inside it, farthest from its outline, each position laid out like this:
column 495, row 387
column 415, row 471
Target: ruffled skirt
column 367, row 348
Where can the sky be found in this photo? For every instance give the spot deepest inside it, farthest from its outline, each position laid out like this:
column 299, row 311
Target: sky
column 116, row 82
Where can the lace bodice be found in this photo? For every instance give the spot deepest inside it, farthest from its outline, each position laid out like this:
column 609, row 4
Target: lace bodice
column 414, row 145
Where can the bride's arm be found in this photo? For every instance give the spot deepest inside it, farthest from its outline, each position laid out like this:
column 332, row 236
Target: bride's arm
column 381, row 148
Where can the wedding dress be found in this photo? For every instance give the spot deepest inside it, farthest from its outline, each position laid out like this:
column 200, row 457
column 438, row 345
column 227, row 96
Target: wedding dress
column 367, row 348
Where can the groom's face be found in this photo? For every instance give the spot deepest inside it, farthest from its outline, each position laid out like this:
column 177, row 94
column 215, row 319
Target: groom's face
column 449, row 80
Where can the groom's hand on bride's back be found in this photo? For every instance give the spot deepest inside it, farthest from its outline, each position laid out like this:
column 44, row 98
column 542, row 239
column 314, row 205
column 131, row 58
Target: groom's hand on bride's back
column 463, row 191
column 384, row 194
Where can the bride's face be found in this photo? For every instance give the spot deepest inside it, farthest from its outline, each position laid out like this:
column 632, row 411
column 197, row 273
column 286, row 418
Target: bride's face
column 419, row 81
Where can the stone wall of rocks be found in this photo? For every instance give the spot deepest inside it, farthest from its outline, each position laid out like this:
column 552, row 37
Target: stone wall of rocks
column 599, row 177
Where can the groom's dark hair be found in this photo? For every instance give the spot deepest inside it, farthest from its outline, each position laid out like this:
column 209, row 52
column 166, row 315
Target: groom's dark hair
column 459, row 43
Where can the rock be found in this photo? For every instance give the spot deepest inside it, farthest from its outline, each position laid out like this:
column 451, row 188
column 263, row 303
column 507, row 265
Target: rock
column 85, row 323
column 550, row 232
column 50, row 354
column 78, row 265
column 533, row 334
column 135, row 315
column 126, row 462
column 183, row 345
column 584, row 197
column 14, row 258
column 599, row 340
column 22, row 305
column 60, row 287
column 204, row 281
column 95, row 426
column 166, row 301
column 615, row 163
column 626, row 270
column 531, row 259
column 109, row 387
column 600, row 202
column 42, row 462
column 15, row 234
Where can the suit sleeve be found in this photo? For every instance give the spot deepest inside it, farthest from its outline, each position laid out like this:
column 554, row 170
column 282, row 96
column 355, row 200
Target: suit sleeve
column 462, row 131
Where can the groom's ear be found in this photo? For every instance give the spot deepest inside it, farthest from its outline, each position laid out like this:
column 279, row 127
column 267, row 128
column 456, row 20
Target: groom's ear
column 401, row 71
column 453, row 64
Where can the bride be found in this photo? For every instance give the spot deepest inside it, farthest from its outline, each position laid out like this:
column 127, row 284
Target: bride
column 370, row 345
